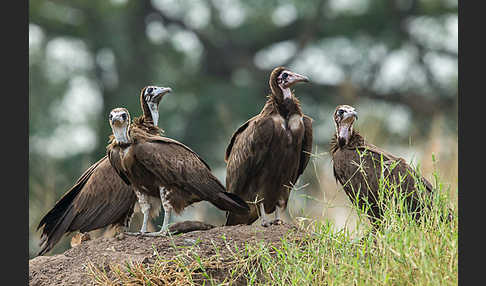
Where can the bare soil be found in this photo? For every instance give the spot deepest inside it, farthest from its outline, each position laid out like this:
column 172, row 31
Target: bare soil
column 69, row 268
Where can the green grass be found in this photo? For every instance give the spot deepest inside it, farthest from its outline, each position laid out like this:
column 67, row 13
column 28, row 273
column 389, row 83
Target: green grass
column 400, row 251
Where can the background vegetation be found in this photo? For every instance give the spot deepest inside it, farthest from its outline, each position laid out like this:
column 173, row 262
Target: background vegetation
column 394, row 60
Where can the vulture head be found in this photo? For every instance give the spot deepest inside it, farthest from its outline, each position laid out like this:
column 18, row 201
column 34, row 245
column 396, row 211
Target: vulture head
column 281, row 80
column 150, row 97
column 344, row 117
column 119, row 121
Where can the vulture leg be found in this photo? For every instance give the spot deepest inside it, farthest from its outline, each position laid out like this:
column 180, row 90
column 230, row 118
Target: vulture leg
column 265, row 222
column 278, row 211
column 167, row 212
column 145, row 209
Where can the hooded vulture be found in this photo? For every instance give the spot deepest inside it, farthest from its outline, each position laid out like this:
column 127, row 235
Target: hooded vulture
column 360, row 166
column 164, row 168
column 268, row 153
column 99, row 198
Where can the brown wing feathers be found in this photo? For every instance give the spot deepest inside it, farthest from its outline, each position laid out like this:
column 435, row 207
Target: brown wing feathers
column 306, row 146
column 244, row 156
column 54, row 223
column 251, row 143
column 179, row 167
column 83, row 209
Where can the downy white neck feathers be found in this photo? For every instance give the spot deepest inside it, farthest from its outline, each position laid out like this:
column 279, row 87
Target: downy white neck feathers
column 121, row 134
column 154, row 112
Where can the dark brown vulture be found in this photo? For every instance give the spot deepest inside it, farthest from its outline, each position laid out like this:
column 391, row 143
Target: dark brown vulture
column 165, row 168
column 358, row 168
column 99, row 197
column 268, row 153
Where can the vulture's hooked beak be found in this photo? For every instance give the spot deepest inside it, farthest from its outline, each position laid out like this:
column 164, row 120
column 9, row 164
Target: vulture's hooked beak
column 118, row 120
column 159, row 92
column 350, row 114
column 294, row 78
column 345, row 126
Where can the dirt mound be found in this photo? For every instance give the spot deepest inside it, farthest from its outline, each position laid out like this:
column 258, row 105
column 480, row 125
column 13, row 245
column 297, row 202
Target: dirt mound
column 69, row 268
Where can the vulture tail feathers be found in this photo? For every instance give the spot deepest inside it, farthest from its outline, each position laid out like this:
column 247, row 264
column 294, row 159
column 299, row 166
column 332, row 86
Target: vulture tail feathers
column 235, row 219
column 230, row 202
column 214, row 192
column 238, row 200
column 52, row 218
column 58, row 220
column 54, row 228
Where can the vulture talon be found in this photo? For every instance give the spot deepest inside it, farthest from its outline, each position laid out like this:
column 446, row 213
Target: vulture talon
column 164, row 231
column 277, row 222
column 156, row 234
column 266, row 223
column 138, row 233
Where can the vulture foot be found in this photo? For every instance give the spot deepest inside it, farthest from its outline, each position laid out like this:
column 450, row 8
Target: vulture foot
column 277, row 222
column 138, row 233
column 158, row 233
column 266, row 223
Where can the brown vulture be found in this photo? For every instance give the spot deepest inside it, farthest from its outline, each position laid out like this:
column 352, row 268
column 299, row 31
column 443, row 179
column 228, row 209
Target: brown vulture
column 99, row 198
column 358, row 168
column 267, row 154
column 165, row 168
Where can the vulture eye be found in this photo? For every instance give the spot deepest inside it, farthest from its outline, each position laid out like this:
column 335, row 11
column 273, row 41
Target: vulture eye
column 340, row 112
column 149, row 90
column 285, row 75
column 110, row 116
column 124, row 116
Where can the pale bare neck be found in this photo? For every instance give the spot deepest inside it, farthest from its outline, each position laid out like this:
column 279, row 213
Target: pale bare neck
column 121, row 134
column 286, row 93
column 345, row 131
column 154, row 111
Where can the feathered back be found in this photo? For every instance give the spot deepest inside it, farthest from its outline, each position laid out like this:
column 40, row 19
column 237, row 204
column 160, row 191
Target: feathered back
column 355, row 141
column 147, row 125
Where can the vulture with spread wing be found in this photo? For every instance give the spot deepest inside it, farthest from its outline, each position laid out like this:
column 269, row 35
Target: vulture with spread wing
column 99, row 198
column 268, row 153
column 359, row 166
column 162, row 167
